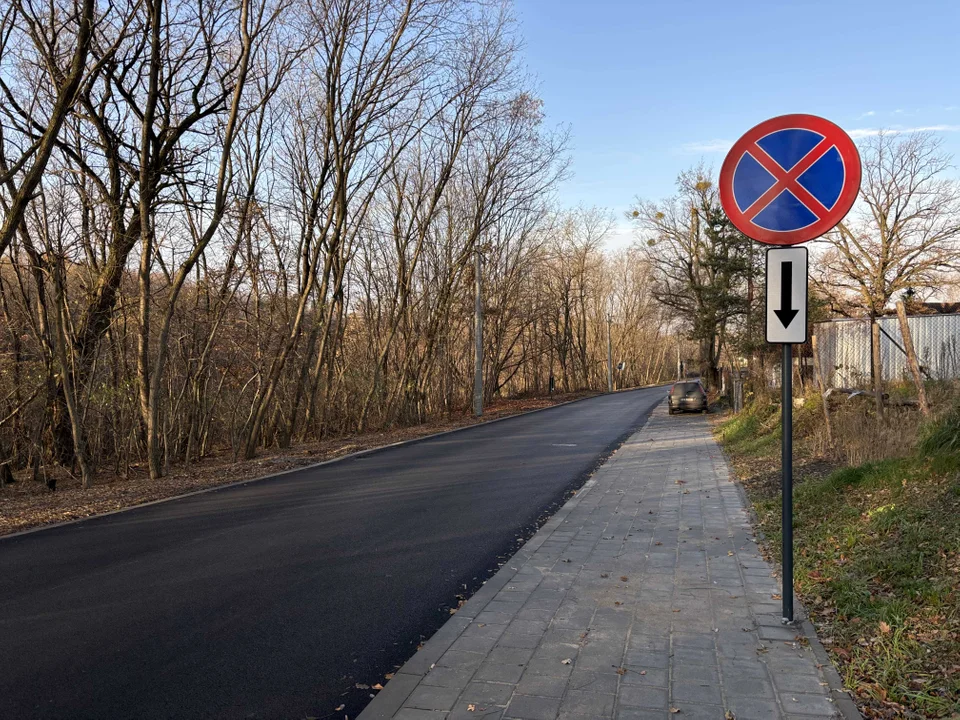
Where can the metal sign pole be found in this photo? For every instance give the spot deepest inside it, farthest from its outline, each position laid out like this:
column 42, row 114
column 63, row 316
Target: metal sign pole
column 786, row 460
column 787, row 181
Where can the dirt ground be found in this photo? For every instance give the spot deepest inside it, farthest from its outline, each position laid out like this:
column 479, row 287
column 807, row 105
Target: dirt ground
column 28, row 504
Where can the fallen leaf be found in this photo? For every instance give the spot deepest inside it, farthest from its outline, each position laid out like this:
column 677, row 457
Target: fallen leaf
column 884, row 628
column 624, row 578
column 674, row 710
column 378, row 686
column 676, row 609
column 566, row 661
column 471, row 708
column 775, row 596
column 340, row 708
column 729, row 715
column 604, row 575
column 643, row 672
column 621, row 671
column 388, row 676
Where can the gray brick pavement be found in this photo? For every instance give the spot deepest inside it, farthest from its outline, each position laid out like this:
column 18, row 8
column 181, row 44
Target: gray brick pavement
column 644, row 597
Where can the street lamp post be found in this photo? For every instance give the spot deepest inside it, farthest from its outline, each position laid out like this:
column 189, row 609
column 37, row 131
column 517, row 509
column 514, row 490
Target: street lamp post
column 478, row 338
column 609, row 355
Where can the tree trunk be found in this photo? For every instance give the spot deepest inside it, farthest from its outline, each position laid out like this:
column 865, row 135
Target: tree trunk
column 912, row 360
column 66, row 96
column 877, row 364
column 708, row 368
column 821, row 386
column 66, row 379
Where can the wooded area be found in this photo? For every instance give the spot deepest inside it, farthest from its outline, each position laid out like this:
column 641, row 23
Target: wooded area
column 249, row 224
column 230, row 227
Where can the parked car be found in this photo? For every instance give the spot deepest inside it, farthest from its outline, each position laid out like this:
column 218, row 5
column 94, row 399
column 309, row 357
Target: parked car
column 687, row 395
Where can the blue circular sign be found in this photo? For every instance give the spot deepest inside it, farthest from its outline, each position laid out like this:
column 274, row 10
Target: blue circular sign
column 790, row 179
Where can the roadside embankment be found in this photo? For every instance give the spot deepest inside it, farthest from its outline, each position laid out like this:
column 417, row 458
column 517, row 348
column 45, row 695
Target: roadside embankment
column 877, row 542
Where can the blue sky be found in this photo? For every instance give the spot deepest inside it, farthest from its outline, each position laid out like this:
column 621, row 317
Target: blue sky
column 649, row 87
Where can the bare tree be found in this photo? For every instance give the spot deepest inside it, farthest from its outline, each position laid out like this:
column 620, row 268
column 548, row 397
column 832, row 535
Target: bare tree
column 904, row 231
column 160, row 138
column 701, row 264
column 255, row 224
column 903, row 234
column 59, row 41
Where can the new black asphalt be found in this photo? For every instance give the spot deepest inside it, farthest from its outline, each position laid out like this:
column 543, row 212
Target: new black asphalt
column 274, row 598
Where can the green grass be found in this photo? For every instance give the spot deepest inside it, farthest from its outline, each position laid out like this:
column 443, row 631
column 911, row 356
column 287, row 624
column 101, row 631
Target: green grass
column 755, row 432
column 942, row 436
column 878, row 566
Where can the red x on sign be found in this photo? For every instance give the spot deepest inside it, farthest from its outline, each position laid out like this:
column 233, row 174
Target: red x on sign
column 790, row 179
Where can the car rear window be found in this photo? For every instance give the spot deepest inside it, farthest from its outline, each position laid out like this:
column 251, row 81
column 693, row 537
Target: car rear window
column 684, row 388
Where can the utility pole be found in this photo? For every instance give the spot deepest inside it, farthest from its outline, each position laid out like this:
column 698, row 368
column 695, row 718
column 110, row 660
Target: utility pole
column 478, row 338
column 679, row 361
column 609, row 355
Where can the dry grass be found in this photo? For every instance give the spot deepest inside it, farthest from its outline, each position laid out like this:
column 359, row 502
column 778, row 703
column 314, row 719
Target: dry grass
column 859, row 434
column 877, row 538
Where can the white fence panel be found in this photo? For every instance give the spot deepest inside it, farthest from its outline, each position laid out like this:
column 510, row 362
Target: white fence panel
column 845, row 348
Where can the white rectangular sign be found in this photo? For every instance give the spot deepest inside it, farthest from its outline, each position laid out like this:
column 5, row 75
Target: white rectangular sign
column 787, row 295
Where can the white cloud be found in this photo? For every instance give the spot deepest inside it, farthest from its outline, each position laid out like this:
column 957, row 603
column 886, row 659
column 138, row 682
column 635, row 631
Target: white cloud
column 869, row 113
column 722, row 146
column 710, row 146
column 620, row 236
column 858, row 133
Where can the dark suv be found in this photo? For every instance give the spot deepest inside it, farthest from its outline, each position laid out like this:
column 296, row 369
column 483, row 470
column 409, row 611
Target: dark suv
column 687, row 395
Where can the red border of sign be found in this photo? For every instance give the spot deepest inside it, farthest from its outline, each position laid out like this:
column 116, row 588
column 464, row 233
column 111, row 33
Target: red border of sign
column 848, row 195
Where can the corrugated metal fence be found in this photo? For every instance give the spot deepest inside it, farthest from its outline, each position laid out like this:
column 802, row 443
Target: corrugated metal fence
column 844, row 349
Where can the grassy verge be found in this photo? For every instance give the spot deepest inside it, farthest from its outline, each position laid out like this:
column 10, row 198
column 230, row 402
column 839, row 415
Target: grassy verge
column 877, row 559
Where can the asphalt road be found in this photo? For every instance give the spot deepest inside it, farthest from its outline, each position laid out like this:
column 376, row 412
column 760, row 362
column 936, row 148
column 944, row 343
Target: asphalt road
column 274, row 598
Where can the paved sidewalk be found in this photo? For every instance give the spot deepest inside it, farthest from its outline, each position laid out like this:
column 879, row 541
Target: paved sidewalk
column 644, row 597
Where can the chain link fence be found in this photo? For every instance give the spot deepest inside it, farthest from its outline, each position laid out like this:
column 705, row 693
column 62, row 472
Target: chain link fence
column 844, row 347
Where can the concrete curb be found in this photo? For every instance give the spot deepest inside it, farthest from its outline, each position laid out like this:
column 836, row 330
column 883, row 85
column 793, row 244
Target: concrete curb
column 410, row 693
column 389, row 701
column 342, row 458
column 841, row 698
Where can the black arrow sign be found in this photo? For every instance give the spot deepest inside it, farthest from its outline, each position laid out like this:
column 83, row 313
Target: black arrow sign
column 786, row 313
